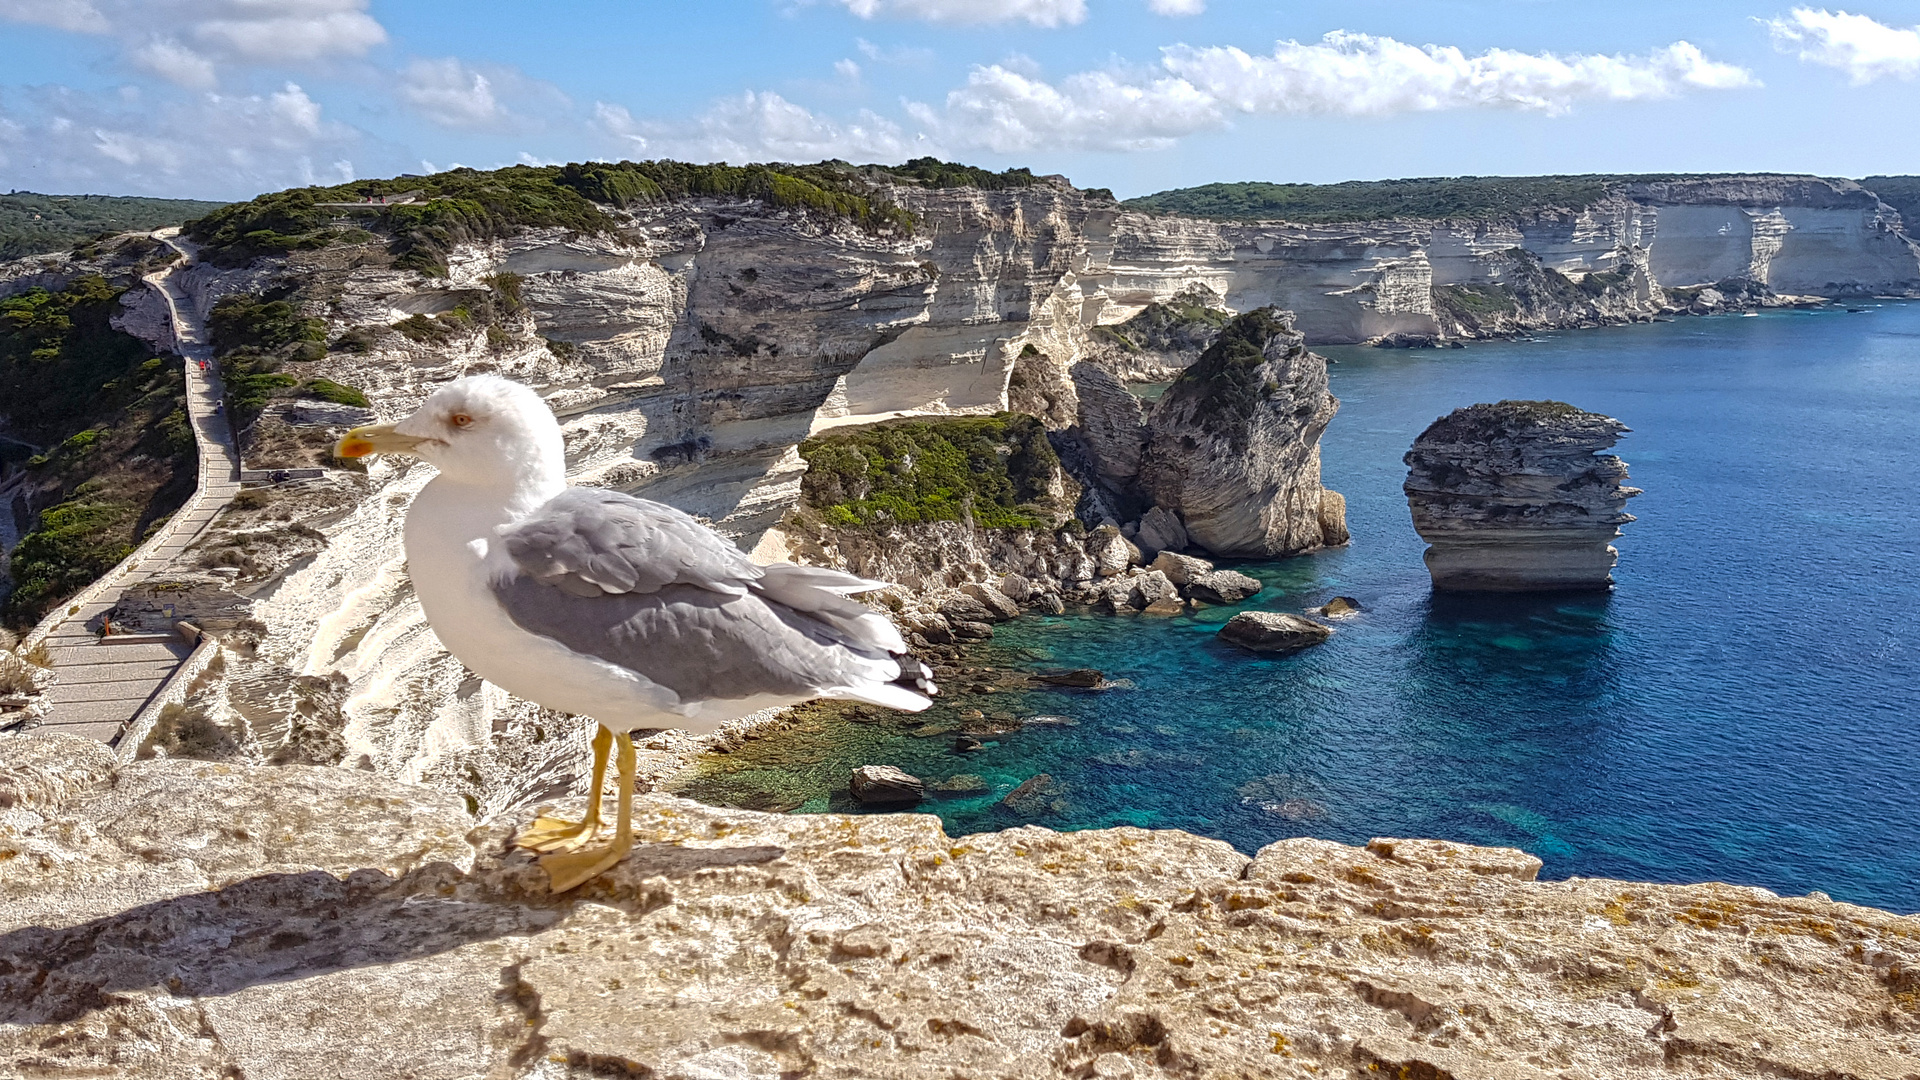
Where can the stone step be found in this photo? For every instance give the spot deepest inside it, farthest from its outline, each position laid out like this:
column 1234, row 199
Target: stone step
column 95, row 712
column 91, row 654
column 97, row 730
column 132, row 694
column 108, row 673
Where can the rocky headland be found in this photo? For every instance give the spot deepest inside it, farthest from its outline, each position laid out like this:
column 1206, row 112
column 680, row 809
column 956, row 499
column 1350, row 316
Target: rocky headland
column 178, row 919
column 1516, row 497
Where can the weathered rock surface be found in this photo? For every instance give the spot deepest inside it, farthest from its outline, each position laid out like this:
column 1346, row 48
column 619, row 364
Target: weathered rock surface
column 1160, row 530
column 886, row 785
column 1516, row 497
column 1235, row 442
column 1222, row 586
column 1273, row 631
column 307, row 922
column 1181, row 569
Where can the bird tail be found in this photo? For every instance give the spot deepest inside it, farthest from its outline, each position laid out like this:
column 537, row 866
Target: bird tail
column 891, row 677
column 822, row 594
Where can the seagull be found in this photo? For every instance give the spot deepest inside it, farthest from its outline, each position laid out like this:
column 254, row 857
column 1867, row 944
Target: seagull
column 599, row 603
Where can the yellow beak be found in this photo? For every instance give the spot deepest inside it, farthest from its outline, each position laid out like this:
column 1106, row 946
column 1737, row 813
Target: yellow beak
column 375, row 439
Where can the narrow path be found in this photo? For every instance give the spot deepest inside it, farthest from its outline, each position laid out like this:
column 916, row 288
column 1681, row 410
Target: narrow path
column 104, row 683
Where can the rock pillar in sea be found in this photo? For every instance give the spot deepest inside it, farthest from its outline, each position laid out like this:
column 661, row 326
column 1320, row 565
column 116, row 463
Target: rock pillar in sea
column 1233, row 447
column 1516, row 497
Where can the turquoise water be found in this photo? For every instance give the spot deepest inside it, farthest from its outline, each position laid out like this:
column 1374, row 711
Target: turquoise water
column 1741, row 708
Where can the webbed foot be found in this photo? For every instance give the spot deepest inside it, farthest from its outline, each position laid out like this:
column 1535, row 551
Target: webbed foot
column 556, row 834
column 571, row 869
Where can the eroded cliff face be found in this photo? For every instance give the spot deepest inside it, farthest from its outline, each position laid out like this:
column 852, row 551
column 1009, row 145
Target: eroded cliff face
column 180, row 920
column 1516, row 497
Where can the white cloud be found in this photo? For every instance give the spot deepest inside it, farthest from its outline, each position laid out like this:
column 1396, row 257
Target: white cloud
column 846, row 69
column 451, row 94
column 1037, row 12
column 455, row 94
column 185, row 41
column 1863, row 48
column 1009, row 112
column 1176, row 8
column 1198, row 89
column 1362, row 75
column 209, row 145
column 74, row 16
column 760, row 126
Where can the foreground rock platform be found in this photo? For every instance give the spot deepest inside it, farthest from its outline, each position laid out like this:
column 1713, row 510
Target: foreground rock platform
column 172, row 919
column 1515, row 496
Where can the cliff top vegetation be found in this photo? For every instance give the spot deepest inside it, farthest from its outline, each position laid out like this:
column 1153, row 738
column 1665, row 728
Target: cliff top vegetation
column 470, row 205
column 1428, row 198
column 31, row 224
column 1222, row 389
column 997, row 471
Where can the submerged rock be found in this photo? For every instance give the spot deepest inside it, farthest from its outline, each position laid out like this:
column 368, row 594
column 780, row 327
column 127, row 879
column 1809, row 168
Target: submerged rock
column 886, row 785
column 1036, row 795
column 1336, row 607
column 1081, row 678
column 1223, row 587
column 1515, row 497
column 1273, row 631
column 1234, row 444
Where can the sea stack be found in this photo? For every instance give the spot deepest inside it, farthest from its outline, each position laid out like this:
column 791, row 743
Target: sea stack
column 1516, row 497
column 1234, row 446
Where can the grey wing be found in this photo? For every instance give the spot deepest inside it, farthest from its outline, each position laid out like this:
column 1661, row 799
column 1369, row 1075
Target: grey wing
column 591, row 542
column 701, row 644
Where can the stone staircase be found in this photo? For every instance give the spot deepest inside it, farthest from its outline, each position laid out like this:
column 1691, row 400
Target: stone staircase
column 105, row 683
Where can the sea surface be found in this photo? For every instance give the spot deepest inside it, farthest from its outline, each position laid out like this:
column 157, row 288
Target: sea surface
column 1743, row 707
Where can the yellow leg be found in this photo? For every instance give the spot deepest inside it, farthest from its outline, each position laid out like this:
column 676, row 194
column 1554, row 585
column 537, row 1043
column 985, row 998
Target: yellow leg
column 567, row 870
column 557, row 834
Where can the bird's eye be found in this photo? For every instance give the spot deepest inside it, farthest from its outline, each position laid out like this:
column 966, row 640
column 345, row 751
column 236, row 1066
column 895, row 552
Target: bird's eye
column 460, row 420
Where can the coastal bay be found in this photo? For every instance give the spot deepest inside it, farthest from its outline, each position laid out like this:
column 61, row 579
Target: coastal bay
column 1739, row 709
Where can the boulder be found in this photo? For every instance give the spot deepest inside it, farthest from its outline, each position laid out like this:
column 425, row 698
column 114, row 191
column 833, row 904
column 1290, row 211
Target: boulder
column 932, row 626
column 1160, row 530
column 1111, row 552
column 1516, row 497
column 1181, row 569
column 1333, row 518
column 1170, row 606
column 886, row 785
column 1112, row 424
column 1222, row 587
column 1000, row 607
column 1336, row 607
column 967, row 744
column 1036, row 795
column 1151, row 588
column 1050, row 603
column 1082, row 678
column 966, row 607
column 962, row 784
column 1016, row 588
column 972, row 631
column 1273, row 631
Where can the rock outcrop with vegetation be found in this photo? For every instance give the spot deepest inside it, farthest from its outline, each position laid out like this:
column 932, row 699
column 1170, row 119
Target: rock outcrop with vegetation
column 1516, row 497
column 175, row 919
column 1234, row 444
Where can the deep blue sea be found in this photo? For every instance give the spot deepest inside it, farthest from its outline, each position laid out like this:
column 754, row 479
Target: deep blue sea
column 1744, row 707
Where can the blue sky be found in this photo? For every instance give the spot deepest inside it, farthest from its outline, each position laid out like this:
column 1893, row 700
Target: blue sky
column 226, row 98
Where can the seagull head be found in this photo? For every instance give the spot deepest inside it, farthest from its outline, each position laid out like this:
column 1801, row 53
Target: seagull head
column 483, row 430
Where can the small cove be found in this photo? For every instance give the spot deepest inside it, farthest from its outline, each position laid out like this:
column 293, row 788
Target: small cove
column 1741, row 708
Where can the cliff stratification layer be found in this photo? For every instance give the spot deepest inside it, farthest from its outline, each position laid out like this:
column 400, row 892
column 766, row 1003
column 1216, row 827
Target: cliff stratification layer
column 1516, row 497
column 176, row 920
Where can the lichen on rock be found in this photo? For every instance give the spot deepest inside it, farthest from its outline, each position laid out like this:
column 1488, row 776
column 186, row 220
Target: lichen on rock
column 176, row 920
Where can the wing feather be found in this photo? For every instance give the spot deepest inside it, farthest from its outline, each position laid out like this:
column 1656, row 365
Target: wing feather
column 593, row 542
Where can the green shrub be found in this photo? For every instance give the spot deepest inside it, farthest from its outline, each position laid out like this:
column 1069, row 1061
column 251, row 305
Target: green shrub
column 935, row 173
column 1431, row 198
column 996, row 471
column 1222, row 389
column 74, row 543
column 328, row 390
column 241, row 321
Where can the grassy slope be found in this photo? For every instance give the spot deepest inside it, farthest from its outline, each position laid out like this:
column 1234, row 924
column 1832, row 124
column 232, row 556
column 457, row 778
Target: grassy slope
column 992, row 469
column 120, row 455
column 31, row 224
